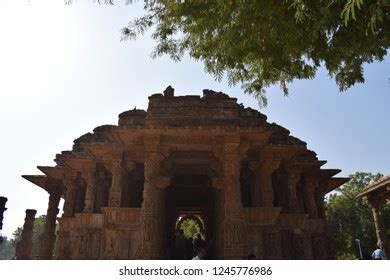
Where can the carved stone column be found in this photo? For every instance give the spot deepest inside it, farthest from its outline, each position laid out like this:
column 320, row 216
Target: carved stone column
column 292, row 178
column 24, row 246
column 48, row 237
column 115, row 195
column 375, row 205
column 3, row 201
column 311, row 186
column 70, row 195
column 90, row 194
column 115, row 165
column 150, row 234
column 268, row 164
column 232, row 229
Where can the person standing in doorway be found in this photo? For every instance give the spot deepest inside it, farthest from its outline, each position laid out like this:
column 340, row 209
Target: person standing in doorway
column 199, row 243
column 200, row 253
column 378, row 254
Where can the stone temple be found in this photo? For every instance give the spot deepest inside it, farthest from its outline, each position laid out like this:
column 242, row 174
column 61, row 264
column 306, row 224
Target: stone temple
column 257, row 189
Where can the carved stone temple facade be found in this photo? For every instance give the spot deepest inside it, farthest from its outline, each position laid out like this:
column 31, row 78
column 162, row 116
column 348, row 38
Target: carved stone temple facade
column 258, row 189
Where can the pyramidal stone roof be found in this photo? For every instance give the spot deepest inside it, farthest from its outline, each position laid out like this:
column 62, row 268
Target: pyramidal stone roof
column 212, row 110
column 213, row 114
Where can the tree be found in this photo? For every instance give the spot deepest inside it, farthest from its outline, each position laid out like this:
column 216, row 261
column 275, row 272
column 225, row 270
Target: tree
column 38, row 230
column 7, row 251
column 262, row 43
column 190, row 228
column 349, row 218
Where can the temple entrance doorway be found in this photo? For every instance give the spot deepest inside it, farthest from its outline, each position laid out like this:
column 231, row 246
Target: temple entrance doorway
column 190, row 205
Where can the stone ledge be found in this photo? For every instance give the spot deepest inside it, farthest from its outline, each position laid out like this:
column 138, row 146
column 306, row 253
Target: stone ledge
column 262, row 215
column 115, row 216
column 81, row 221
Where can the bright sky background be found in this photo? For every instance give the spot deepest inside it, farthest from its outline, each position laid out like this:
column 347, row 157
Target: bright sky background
column 64, row 71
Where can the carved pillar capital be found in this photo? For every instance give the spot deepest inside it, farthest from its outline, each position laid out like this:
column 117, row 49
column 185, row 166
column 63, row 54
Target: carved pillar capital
column 269, row 162
column 90, row 177
column 114, row 163
column 153, row 163
column 153, row 171
column 54, row 200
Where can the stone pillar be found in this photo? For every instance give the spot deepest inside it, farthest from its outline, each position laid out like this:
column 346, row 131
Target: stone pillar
column 218, row 184
column 100, row 192
column 319, row 199
column 48, row 237
column 3, row 201
column 292, row 178
column 375, row 205
column 118, row 168
column 311, row 186
column 232, row 226
column 24, row 246
column 90, row 194
column 268, row 164
column 115, row 196
column 70, row 196
column 150, row 233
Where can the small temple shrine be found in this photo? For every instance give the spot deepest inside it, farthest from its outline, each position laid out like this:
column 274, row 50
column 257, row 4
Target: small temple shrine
column 252, row 187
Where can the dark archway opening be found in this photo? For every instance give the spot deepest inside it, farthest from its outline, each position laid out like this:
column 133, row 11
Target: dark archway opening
column 189, row 198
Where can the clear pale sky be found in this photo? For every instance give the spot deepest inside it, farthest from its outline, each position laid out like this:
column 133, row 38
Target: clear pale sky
column 64, row 71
